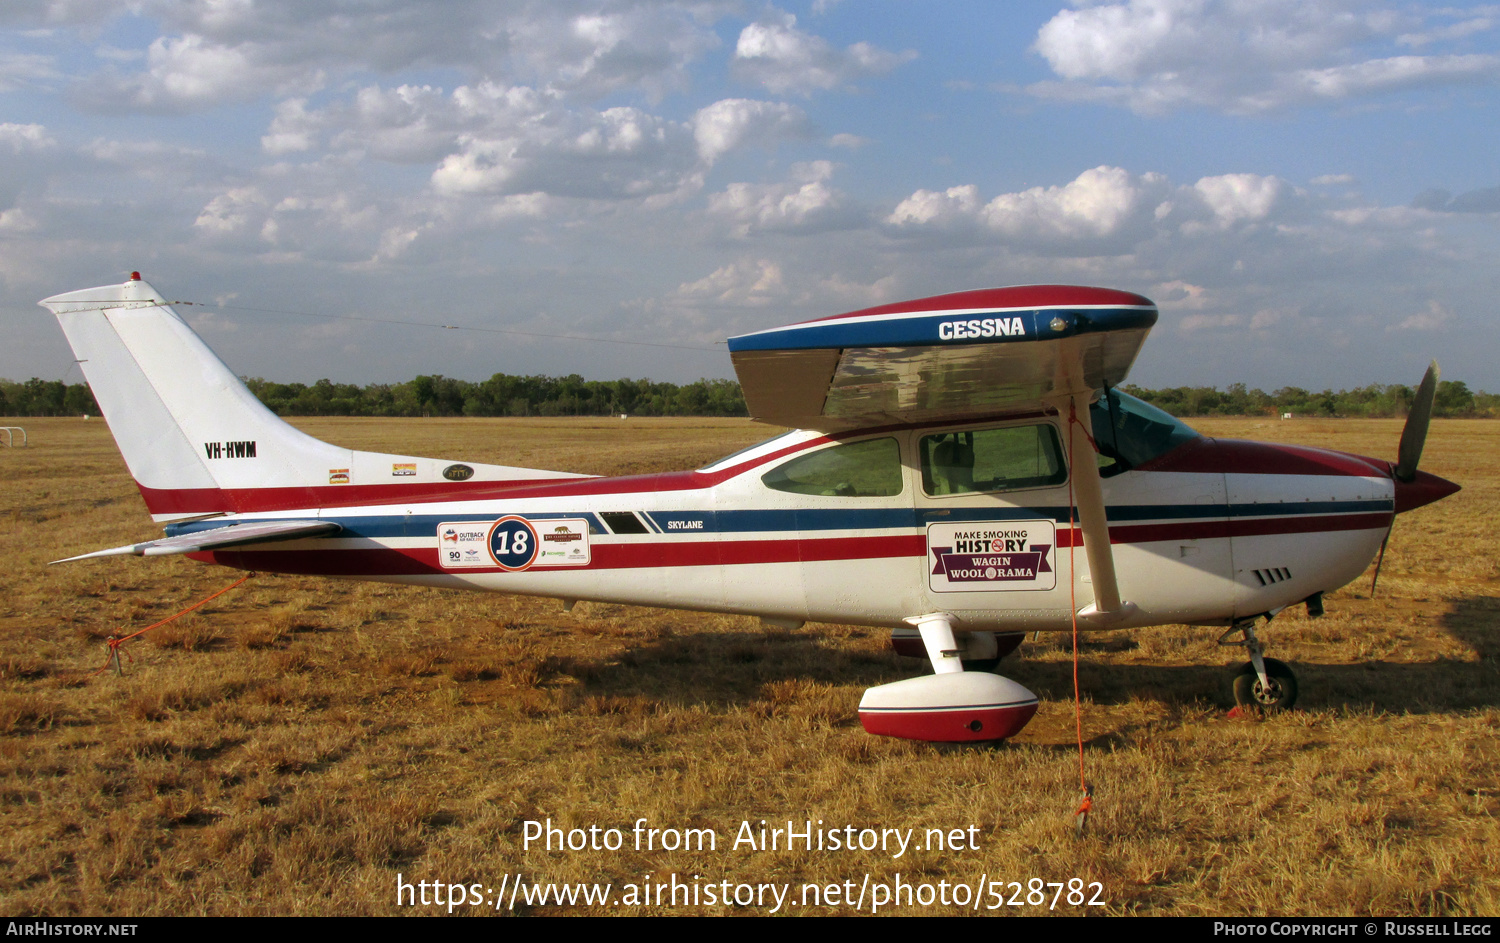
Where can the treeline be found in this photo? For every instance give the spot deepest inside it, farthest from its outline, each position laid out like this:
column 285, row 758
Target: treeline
column 505, row 395
column 1453, row 399
column 46, row 398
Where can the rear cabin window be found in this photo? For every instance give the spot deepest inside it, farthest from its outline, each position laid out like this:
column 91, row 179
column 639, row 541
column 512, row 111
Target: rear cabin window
column 982, row 460
column 868, row 469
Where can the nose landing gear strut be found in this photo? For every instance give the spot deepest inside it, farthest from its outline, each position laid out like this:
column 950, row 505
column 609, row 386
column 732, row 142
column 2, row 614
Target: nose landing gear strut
column 1263, row 684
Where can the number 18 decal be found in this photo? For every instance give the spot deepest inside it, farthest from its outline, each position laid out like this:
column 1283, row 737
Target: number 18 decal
column 513, row 543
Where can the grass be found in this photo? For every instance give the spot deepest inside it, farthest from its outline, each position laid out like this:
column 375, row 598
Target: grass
column 297, row 744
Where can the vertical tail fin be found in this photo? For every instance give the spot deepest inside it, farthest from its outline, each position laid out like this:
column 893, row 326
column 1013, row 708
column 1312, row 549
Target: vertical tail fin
column 198, row 442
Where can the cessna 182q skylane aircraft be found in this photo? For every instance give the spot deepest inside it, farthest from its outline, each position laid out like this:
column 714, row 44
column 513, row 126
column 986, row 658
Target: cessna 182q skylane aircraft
column 950, row 455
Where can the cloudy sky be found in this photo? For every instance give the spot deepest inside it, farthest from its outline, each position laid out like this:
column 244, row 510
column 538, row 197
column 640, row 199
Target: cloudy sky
column 1309, row 188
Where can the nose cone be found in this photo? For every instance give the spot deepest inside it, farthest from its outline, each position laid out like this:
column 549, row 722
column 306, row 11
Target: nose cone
column 1423, row 489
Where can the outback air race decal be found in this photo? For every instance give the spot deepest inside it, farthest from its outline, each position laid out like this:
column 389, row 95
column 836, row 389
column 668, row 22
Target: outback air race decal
column 514, row 543
column 990, row 556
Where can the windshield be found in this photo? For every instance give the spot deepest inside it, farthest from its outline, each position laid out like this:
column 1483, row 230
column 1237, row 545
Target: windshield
column 1130, row 432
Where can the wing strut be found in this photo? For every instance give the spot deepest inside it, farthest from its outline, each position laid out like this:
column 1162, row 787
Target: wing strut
column 1108, row 608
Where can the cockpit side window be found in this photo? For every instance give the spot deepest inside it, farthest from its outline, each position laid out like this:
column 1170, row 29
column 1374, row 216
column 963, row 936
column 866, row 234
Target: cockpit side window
column 867, row 469
column 984, row 460
column 1130, row 432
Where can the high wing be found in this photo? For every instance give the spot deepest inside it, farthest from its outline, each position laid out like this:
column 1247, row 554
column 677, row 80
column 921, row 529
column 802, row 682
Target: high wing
column 232, row 535
column 950, row 357
column 961, row 356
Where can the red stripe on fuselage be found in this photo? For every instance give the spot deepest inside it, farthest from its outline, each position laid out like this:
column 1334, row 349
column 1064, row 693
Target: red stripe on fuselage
column 255, row 500
column 1242, row 457
column 394, row 561
column 410, row 561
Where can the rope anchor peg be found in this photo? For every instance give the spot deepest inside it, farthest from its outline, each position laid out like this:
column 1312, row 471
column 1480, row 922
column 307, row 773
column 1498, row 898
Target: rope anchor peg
column 113, row 660
column 114, row 642
column 1081, row 817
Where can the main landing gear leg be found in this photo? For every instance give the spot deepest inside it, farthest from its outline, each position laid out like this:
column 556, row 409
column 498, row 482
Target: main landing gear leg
column 942, row 647
column 950, row 705
column 1264, row 684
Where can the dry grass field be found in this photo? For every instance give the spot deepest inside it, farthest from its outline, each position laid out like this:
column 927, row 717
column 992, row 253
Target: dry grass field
column 296, row 745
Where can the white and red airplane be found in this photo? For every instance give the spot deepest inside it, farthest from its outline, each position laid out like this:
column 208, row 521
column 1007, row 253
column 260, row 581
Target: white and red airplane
column 931, row 488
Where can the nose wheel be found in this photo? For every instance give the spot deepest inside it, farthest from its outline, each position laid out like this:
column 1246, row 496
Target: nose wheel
column 1263, row 684
column 1277, row 693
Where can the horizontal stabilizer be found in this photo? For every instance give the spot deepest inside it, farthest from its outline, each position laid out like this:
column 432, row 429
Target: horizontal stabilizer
column 233, row 535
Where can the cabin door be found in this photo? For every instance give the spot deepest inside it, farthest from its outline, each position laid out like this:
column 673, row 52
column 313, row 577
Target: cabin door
column 993, row 502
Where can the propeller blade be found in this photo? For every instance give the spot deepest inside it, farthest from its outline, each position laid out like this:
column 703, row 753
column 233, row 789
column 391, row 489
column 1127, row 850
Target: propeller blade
column 1414, row 434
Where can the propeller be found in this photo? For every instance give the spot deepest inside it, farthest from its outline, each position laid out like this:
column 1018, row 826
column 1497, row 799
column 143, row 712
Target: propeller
column 1414, row 434
column 1409, row 452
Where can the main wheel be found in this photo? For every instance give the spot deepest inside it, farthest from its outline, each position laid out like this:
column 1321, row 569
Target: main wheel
column 1280, row 696
column 1005, row 643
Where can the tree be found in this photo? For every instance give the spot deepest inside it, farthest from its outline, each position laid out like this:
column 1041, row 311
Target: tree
column 1453, row 399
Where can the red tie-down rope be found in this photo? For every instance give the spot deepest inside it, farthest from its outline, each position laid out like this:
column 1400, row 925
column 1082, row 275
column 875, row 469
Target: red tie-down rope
column 114, row 643
column 1081, row 816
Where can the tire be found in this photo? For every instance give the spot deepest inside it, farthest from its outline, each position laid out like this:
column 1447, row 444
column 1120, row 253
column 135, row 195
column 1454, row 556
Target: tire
column 1009, row 642
column 1282, row 695
column 1005, row 643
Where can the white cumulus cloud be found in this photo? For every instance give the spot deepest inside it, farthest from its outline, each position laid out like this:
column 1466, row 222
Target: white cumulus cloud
column 1096, row 207
column 1435, row 317
column 1247, row 56
column 776, row 54
column 212, row 52
column 745, row 283
column 1239, row 198
column 806, row 205
column 725, row 125
column 498, row 140
column 594, row 52
column 25, row 137
column 191, row 72
column 612, row 154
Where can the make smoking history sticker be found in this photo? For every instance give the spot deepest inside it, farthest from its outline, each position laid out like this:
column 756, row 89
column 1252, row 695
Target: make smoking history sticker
column 991, row 556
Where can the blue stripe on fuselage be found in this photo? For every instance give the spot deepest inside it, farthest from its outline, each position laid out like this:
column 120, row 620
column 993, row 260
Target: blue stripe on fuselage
column 820, row 519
